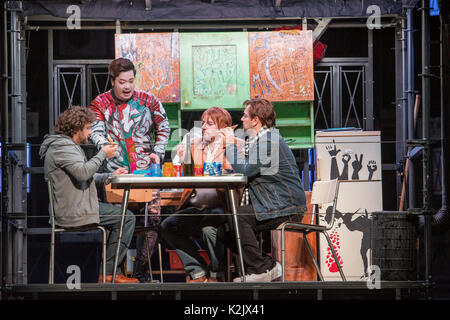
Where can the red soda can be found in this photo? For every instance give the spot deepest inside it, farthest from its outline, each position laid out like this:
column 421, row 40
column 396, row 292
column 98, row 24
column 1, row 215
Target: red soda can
column 178, row 170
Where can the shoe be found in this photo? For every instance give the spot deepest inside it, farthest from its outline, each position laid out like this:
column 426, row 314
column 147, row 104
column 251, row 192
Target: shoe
column 256, row 277
column 276, row 272
column 199, row 280
column 140, row 271
column 120, row 278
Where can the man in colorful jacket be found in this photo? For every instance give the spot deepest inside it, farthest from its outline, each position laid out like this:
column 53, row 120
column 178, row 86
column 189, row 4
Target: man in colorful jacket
column 137, row 122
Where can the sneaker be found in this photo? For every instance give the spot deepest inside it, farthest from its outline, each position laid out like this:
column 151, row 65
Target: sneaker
column 255, row 277
column 276, row 272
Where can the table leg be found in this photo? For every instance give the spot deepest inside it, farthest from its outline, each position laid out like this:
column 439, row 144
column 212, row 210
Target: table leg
column 232, row 202
column 126, row 193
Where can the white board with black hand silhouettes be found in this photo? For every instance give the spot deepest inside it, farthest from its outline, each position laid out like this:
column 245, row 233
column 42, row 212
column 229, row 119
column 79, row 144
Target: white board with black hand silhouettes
column 348, row 155
column 353, row 157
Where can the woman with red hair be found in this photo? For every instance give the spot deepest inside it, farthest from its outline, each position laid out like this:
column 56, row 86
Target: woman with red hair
column 205, row 216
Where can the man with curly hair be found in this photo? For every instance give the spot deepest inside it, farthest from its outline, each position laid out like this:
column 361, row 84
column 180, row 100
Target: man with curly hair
column 74, row 179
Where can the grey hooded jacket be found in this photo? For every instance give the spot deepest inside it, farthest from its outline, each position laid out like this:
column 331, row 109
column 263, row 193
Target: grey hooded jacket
column 75, row 193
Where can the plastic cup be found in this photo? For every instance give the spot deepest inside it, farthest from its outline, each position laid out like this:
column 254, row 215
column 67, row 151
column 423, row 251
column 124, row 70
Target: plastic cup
column 155, row 170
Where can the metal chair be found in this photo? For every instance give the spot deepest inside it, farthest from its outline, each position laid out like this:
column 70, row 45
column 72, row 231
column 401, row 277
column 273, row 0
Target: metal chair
column 323, row 192
column 138, row 196
column 57, row 229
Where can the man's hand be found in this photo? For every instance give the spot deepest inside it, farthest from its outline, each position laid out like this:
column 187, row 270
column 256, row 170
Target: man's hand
column 154, row 158
column 120, row 171
column 110, row 150
column 228, row 135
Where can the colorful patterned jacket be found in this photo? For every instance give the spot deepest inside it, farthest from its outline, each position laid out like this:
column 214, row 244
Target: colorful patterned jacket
column 131, row 126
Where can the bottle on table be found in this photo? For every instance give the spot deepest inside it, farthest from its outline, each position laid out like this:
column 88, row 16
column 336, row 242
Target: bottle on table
column 188, row 165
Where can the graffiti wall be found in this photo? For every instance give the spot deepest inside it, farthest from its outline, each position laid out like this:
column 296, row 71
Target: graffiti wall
column 281, row 65
column 156, row 58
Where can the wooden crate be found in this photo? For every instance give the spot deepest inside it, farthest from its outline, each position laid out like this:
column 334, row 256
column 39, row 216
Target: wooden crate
column 168, row 199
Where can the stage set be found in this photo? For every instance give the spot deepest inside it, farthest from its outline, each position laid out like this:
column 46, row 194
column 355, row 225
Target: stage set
column 360, row 93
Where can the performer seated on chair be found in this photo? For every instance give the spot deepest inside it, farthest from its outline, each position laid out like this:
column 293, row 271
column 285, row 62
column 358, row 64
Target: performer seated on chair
column 274, row 193
column 178, row 230
column 73, row 178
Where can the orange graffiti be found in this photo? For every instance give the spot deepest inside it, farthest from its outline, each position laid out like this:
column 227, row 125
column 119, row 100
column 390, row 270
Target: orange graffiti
column 157, row 63
column 281, row 66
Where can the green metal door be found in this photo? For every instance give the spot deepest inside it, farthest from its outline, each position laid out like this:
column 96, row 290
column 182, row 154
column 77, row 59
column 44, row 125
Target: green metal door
column 214, row 70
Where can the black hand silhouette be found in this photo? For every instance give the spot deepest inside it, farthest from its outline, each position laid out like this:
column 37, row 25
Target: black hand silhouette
column 372, row 167
column 346, row 158
column 332, row 151
column 334, row 171
column 357, row 166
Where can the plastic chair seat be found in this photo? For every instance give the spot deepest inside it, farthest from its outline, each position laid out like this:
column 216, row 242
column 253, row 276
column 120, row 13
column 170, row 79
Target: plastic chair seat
column 84, row 228
column 323, row 192
column 292, row 226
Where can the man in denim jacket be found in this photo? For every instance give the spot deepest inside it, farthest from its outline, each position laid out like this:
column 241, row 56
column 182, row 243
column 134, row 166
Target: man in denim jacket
column 274, row 193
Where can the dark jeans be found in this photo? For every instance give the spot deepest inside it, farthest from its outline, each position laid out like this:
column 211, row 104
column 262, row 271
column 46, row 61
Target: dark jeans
column 249, row 228
column 145, row 242
column 177, row 230
column 110, row 218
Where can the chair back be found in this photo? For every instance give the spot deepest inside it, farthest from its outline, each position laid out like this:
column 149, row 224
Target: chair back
column 325, row 192
column 51, row 199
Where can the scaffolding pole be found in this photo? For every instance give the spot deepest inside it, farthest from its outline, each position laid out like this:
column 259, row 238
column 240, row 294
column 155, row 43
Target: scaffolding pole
column 426, row 73
column 18, row 138
column 410, row 101
column 4, row 164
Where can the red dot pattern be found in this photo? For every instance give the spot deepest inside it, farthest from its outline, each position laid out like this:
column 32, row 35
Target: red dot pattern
column 332, row 266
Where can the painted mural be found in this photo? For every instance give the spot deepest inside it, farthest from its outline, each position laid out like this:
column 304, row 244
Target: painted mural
column 281, row 65
column 156, row 58
column 214, row 70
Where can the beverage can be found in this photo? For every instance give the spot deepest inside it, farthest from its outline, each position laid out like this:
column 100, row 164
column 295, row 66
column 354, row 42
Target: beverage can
column 217, row 168
column 168, row 169
column 212, row 169
column 178, row 170
column 198, row 170
column 208, row 169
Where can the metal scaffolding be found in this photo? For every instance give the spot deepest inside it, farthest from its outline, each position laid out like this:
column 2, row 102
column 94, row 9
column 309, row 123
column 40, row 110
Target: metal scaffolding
column 14, row 168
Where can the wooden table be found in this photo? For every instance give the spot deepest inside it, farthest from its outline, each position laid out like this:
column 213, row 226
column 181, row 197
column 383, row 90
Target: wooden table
column 228, row 182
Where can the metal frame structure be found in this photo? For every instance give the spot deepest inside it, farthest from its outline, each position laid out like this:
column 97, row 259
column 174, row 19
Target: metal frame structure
column 13, row 214
column 339, row 85
column 312, row 290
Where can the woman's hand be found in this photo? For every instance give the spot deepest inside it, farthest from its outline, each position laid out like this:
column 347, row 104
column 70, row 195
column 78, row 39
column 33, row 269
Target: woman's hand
column 181, row 150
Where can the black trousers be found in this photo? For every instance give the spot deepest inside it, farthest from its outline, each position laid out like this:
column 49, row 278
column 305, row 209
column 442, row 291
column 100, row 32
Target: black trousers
column 256, row 262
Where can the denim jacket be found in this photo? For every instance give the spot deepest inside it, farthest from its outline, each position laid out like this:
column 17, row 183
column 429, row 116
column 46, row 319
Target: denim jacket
column 274, row 183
